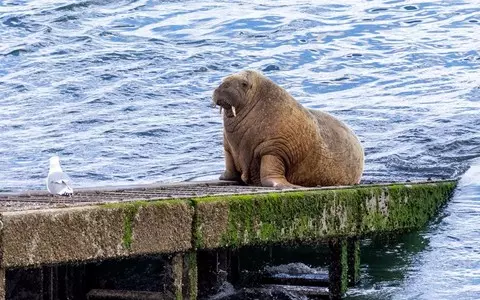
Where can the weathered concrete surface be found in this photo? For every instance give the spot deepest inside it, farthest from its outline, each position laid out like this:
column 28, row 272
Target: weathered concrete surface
column 95, row 232
column 190, row 276
column 162, row 227
column 2, row 284
column 2, row 269
column 338, row 268
column 305, row 216
column 98, row 232
column 353, row 260
column 49, row 236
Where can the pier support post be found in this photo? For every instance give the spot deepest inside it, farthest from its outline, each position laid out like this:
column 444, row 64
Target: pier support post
column 215, row 268
column 62, row 281
column 182, row 282
column 2, row 284
column 190, row 276
column 209, row 271
column 75, row 282
column 337, row 271
column 2, row 270
column 234, row 266
column 176, row 276
column 353, row 248
column 50, row 282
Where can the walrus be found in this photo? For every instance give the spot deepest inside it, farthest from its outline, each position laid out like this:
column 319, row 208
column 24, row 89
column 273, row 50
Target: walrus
column 271, row 140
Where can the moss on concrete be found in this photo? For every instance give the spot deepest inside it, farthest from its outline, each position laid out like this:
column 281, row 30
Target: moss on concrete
column 277, row 217
column 400, row 207
column 210, row 220
column 338, row 268
column 344, row 260
column 166, row 226
column 191, row 258
column 61, row 235
column 310, row 215
column 353, row 247
column 131, row 211
column 177, row 276
column 96, row 232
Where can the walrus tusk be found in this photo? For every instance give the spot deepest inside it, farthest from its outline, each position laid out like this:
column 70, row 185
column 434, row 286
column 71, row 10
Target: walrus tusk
column 234, row 112
column 221, row 109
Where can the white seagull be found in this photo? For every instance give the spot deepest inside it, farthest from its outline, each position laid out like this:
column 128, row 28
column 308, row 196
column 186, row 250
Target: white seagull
column 58, row 182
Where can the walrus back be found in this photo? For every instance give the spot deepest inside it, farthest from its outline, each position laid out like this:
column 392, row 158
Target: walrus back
column 340, row 151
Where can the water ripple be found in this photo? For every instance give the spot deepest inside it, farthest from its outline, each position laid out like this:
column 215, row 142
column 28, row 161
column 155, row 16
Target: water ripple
column 397, row 73
column 121, row 89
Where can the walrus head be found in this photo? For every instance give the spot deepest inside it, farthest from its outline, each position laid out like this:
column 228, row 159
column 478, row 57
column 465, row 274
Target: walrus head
column 234, row 93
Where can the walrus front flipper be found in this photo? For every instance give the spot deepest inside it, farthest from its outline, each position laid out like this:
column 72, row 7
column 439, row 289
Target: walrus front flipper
column 230, row 176
column 272, row 172
column 230, row 172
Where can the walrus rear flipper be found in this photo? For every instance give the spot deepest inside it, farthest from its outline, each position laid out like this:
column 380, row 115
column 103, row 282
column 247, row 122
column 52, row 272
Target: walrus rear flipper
column 272, row 172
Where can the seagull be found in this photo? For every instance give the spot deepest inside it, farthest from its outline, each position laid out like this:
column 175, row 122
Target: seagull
column 58, row 182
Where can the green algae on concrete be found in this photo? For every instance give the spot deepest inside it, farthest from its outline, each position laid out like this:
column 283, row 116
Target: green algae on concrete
column 233, row 221
column 95, row 232
column 98, row 232
column 276, row 217
column 159, row 226
column 130, row 212
column 177, row 276
column 401, row 207
column 2, row 269
column 210, row 219
column 338, row 268
column 353, row 249
column 60, row 235
column 191, row 271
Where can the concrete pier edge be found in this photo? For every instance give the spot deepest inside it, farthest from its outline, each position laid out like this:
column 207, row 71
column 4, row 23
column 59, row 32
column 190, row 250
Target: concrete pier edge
column 183, row 226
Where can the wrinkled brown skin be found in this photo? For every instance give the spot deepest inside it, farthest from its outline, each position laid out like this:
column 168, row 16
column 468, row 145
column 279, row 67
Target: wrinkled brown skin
column 274, row 141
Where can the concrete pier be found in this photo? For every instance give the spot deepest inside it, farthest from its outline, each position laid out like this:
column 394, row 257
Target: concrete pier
column 60, row 242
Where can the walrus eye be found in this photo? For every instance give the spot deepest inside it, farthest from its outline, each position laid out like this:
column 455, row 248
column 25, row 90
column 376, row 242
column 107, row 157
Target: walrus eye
column 244, row 84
